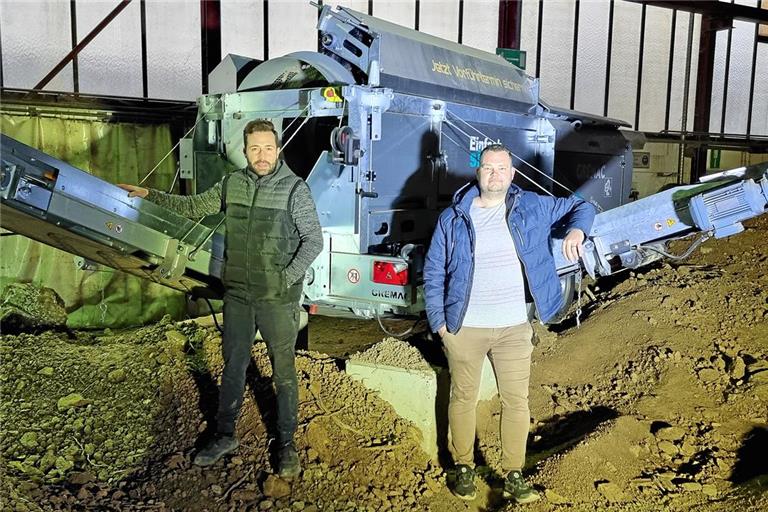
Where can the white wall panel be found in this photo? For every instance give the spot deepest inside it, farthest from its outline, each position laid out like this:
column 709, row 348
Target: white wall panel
column 528, row 32
column 481, row 24
column 355, row 5
column 739, row 77
column 694, row 67
column 292, row 27
column 557, row 52
column 174, row 61
column 402, row 12
column 626, row 43
column 36, row 36
column 440, row 18
column 111, row 63
column 718, row 81
column 242, row 28
column 760, row 101
column 678, row 71
column 592, row 57
column 653, row 94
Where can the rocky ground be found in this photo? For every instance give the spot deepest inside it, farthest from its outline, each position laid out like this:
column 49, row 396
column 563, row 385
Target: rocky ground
column 659, row 401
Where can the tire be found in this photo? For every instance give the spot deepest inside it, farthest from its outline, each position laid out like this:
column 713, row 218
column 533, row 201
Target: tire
column 568, row 290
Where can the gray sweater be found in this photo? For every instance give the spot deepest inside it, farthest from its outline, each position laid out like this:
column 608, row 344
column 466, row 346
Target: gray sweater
column 303, row 213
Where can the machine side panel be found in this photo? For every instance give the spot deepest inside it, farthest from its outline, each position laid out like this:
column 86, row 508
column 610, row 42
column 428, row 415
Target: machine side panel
column 404, row 209
column 595, row 162
column 468, row 130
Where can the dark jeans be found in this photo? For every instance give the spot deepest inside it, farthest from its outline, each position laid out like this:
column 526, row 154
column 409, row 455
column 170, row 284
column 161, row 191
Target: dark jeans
column 279, row 326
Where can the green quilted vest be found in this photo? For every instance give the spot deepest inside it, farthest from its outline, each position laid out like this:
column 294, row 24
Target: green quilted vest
column 261, row 236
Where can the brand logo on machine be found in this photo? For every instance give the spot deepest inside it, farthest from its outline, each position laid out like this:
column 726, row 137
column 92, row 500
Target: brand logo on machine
column 608, row 187
column 476, row 146
column 388, row 294
column 587, row 171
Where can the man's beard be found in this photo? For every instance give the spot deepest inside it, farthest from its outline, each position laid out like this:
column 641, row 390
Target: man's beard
column 269, row 171
column 495, row 187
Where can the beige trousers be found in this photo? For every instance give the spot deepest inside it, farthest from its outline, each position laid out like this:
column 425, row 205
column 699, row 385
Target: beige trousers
column 509, row 349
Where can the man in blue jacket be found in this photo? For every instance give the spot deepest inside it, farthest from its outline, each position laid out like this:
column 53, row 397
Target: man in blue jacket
column 489, row 258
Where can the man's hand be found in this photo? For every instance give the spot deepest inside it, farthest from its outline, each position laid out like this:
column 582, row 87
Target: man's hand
column 572, row 248
column 442, row 331
column 134, row 191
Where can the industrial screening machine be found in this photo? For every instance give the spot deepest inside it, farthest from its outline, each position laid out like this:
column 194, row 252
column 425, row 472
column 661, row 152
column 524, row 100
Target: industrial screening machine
column 385, row 124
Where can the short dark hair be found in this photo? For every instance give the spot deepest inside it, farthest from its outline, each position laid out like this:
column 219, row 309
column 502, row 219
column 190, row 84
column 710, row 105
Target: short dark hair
column 495, row 148
column 259, row 125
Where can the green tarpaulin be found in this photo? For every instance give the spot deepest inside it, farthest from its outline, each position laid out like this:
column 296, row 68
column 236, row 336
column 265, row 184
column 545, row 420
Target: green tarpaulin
column 119, row 153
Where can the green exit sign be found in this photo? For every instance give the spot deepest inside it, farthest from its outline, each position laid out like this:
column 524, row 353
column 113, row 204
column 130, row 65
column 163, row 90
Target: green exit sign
column 516, row 57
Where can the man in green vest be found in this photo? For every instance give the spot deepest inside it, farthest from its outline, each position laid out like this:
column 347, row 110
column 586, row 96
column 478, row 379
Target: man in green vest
column 273, row 235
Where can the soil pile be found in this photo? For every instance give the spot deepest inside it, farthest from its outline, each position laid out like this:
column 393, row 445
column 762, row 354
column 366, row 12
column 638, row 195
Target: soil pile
column 81, row 407
column 659, row 401
column 109, row 422
column 393, row 352
column 25, row 307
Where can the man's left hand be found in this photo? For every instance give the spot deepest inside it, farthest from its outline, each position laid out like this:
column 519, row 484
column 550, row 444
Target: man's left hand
column 572, row 248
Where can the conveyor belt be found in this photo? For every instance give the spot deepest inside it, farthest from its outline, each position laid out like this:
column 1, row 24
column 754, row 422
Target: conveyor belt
column 59, row 205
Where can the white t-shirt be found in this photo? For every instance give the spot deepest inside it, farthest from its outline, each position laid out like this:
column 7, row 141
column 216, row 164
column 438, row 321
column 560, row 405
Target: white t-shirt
column 497, row 298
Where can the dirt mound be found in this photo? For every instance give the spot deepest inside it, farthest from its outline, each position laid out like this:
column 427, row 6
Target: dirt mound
column 659, row 401
column 110, row 422
column 25, row 307
column 86, row 407
column 393, row 352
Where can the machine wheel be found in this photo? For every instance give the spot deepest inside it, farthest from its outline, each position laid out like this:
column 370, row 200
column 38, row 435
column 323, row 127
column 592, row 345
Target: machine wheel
column 568, row 289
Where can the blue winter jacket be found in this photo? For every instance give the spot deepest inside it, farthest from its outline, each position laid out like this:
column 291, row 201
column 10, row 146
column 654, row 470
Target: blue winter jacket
column 449, row 264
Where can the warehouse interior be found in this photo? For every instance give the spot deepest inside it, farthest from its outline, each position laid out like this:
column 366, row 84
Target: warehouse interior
column 654, row 396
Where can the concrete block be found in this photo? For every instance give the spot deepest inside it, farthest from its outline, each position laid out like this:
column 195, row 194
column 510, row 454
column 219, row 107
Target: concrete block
column 418, row 396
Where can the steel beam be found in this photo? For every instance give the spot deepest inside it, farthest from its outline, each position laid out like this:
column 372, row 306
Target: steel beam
column 82, row 44
column 210, row 38
column 108, row 108
column 510, row 15
column 736, row 142
column 712, row 8
column 703, row 104
column 144, row 70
